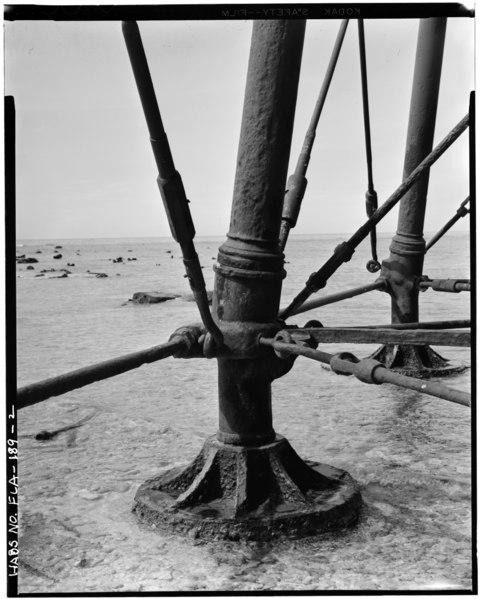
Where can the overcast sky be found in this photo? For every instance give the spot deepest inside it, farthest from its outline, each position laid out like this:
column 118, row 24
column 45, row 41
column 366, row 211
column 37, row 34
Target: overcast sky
column 85, row 166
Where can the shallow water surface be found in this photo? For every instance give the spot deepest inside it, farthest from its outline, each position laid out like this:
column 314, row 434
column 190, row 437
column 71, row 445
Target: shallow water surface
column 410, row 453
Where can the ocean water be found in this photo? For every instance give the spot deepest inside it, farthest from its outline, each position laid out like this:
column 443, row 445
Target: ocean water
column 411, row 454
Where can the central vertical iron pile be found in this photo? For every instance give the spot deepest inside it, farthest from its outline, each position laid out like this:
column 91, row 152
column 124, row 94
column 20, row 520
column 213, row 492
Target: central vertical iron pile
column 248, row 482
column 250, row 265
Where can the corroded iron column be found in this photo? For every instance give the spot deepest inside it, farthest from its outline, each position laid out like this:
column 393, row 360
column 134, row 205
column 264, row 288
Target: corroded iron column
column 248, row 482
column 250, row 265
column 404, row 266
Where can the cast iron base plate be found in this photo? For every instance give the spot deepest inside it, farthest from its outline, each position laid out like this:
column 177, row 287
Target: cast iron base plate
column 236, row 492
column 419, row 361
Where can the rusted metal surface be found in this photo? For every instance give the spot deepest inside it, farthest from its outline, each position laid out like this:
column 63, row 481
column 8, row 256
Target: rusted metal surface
column 430, row 324
column 248, row 481
column 415, row 337
column 250, row 265
column 408, row 245
column 461, row 212
column 403, row 268
column 217, row 496
column 417, row 360
column 368, row 370
column 169, row 179
column 75, row 379
column 297, row 183
column 345, row 250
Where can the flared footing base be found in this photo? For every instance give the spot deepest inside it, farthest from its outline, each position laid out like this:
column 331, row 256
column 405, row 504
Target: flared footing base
column 235, row 492
column 419, row 361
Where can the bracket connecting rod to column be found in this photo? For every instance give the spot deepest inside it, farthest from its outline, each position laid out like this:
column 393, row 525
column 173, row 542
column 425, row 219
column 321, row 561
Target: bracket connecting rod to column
column 169, row 179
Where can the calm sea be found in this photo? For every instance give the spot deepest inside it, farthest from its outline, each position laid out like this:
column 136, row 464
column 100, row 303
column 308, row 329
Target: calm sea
column 410, row 453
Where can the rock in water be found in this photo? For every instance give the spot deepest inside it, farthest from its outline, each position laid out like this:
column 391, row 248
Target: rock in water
column 151, row 297
column 23, row 260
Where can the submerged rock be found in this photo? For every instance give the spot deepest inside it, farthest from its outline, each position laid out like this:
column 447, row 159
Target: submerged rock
column 152, row 297
column 23, row 260
column 57, row 256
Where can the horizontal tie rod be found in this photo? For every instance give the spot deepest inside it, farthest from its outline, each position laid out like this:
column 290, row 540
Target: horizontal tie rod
column 392, row 336
column 368, row 370
column 429, row 324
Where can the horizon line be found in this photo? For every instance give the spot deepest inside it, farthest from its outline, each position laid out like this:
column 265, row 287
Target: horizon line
column 168, row 237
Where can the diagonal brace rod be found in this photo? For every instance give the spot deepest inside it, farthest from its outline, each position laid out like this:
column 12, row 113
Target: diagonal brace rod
column 297, row 183
column 169, row 179
column 462, row 211
column 379, row 284
column 371, row 194
column 345, row 250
